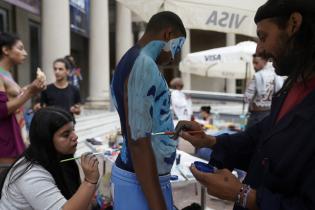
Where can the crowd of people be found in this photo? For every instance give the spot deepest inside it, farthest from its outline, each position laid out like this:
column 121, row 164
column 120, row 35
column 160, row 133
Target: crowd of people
column 276, row 150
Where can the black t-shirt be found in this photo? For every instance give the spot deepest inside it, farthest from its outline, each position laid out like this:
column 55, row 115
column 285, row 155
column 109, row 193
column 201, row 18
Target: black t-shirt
column 64, row 98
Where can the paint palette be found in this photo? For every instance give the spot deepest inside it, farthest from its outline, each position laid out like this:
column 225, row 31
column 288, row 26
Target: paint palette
column 204, row 167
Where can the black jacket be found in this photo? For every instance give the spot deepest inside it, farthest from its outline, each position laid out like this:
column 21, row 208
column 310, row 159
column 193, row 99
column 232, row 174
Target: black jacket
column 279, row 157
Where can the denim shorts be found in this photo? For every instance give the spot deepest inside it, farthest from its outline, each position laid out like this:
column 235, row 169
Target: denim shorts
column 127, row 192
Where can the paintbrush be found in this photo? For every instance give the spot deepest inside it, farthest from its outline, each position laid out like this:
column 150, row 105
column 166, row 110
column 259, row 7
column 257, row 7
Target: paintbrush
column 169, row 133
column 74, row 158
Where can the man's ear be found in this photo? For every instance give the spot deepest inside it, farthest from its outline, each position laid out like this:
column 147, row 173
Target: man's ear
column 295, row 23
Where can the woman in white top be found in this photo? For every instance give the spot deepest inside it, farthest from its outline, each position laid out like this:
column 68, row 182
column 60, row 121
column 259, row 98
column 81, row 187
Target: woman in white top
column 38, row 180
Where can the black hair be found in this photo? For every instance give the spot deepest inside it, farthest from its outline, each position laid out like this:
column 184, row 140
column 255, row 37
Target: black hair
column 206, row 109
column 70, row 61
column 42, row 152
column 7, row 40
column 64, row 61
column 300, row 48
column 165, row 19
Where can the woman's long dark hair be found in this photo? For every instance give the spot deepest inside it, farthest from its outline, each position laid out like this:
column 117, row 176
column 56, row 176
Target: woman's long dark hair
column 42, row 151
column 299, row 55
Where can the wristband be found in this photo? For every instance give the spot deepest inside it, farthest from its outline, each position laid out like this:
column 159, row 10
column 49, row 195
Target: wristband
column 245, row 196
column 85, row 179
column 242, row 196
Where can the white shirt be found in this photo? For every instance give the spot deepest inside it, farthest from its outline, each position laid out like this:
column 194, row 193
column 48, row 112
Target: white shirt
column 181, row 105
column 261, row 88
column 34, row 190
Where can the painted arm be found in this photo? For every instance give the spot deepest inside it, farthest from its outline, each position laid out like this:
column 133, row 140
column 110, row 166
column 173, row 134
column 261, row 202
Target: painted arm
column 146, row 171
column 139, row 108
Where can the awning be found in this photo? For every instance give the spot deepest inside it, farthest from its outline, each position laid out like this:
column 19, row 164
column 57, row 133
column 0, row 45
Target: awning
column 228, row 16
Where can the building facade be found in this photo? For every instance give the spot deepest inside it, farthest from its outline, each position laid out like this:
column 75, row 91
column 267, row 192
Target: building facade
column 97, row 33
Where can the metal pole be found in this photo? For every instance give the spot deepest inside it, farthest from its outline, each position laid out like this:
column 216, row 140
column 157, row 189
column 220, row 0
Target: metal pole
column 245, row 83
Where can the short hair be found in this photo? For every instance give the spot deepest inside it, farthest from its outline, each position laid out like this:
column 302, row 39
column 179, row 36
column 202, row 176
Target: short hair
column 165, row 19
column 64, row 61
column 70, row 60
column 260, row 55
column 7, row 40
column 206, row 109
column 175, row 82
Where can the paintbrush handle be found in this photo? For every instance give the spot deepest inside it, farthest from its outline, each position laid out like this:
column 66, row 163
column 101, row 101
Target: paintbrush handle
column 173, row 133
column 66, row 160
column 74, row 158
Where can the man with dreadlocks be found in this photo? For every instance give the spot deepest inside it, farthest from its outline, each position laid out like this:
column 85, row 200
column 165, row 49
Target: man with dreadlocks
column 278, row 153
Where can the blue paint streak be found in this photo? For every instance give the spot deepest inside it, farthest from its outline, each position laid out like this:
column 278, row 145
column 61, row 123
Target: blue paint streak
column 161, row 94
column 163, row 112
column 152, row 91
column 151, row 111
column 170, row 160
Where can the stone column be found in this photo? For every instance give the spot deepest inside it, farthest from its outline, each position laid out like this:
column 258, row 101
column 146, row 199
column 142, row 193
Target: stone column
column 186, row 77
column 99, row 55
column 230, row 83
column 55, row 22
column 124, row 35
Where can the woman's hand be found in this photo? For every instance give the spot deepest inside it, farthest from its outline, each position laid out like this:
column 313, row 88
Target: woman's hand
column 197, row 139
column 89, row 165
column 222, row 184
column 36, row 86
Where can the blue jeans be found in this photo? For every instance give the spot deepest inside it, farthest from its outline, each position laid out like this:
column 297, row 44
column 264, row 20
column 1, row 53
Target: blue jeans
column 127, row 192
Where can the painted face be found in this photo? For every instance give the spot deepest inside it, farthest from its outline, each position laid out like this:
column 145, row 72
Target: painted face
column 17, row 53
column 171, row 48
column 60, row 71
column 174, row 46
column 65, row 139
column 274, row 42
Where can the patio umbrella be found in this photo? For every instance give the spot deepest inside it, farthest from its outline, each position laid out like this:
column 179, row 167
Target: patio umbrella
column 233, row 62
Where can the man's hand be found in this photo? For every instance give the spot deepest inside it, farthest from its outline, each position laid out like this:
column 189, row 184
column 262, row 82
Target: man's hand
column 222, row 184
column 199, row 139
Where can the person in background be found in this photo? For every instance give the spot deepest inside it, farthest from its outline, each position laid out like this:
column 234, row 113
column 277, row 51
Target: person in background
column 180, row 103
column 75, row 75
column 261, row 89
column 205, row 114
column 28, row 115
column 12, row 98
column 278, row 152
column 38, row 180
column 61, row 93
column 141, row 174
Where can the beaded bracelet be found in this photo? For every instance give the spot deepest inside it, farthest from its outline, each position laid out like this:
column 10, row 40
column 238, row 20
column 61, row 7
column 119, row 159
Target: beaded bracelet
column 243, row 195
column 89, row 181
column 239, row 196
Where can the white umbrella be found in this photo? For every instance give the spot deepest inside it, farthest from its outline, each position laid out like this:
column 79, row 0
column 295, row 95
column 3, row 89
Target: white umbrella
column 225, row 62
column 228, row 16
